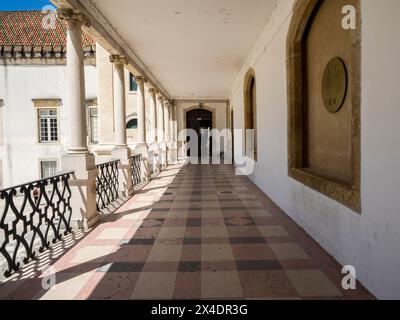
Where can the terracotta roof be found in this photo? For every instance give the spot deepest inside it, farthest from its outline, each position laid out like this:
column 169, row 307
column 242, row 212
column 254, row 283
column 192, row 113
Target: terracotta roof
column 19, row 28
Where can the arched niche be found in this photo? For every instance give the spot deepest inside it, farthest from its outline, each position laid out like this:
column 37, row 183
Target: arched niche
column 323, row 146
column 250, row 110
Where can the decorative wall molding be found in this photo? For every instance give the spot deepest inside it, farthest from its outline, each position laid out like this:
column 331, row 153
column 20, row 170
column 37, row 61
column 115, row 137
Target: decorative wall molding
column 47, row 103
column 49, row 54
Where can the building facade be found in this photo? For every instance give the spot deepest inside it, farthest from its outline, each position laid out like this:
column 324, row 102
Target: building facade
column 34, row 118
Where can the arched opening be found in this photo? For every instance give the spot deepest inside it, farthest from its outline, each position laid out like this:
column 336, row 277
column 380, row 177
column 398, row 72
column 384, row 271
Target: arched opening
column 132, row 124
column 197, row 120
column 250, row 114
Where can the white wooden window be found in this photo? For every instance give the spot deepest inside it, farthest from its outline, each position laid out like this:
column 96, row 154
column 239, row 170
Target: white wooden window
column 94, row 125
column 48, row 125
column 48, row 168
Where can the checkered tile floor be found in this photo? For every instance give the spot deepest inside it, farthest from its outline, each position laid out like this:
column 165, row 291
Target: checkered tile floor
column 194, row 232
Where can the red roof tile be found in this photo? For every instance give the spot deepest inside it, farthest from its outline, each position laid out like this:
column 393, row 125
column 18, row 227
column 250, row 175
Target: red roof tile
column 26, row 28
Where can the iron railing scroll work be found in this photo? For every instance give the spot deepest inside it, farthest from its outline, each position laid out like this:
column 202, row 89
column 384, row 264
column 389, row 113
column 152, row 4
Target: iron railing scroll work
column 33, row 216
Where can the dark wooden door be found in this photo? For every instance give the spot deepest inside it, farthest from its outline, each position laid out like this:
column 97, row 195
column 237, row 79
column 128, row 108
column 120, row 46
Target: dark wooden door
column 196, row 120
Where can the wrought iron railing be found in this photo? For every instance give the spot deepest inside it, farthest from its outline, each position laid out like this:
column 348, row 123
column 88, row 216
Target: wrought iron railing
column 136, row 169
column 33, row 216
column 107, row 184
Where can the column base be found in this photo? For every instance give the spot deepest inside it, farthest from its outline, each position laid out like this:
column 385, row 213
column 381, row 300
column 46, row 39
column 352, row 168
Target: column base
column 123, row 153
column 85, row 224
column 155, row 149
column 83, row 189
column 142, row 148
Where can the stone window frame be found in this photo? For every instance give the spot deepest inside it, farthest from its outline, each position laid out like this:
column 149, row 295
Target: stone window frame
column 41, row 160
column 47, row 104
column 90, row 105
column 250, row 75
column 349, row 193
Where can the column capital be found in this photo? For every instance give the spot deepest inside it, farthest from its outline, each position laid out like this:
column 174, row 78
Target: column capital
column 70, row 15
column 152, row 91
column 167, row 102
column 160, row 98
column 117, row 59
column 140, row 79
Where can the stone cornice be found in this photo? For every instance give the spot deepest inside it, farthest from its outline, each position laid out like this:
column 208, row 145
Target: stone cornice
column 53, row 103
column 15, row 54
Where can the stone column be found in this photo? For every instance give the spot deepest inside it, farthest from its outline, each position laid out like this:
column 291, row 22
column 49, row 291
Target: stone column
column 160, row 119
column 175, row 130
column 78, row 158
column 119, row 100
column 121, row 150
column 160, row 130
column 141, row 113
column 153, row 148
column 166, row 121
column 167, row 132
column 153, row 115
column 175, row 125
column 141, row 145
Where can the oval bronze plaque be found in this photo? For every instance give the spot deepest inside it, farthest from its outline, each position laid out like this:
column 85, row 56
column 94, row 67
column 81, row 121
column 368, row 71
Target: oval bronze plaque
column 334, row 85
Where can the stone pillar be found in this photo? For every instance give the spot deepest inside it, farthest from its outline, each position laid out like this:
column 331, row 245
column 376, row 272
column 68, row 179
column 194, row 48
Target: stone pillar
column 175, row 130
column 141, row 113
column 174, row 137
column 119, row 100
column 167, row 132
column 166, row 121
column 153, row 115
column 175, row 125
column 141, row 145
column 121, row 150
column 160, row 119
column 160, row 130
column 78, row 158
column 153, row 139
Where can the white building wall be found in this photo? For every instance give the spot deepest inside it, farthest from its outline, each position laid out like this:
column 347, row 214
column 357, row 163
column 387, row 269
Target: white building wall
column 19, row 84
column 370, row 241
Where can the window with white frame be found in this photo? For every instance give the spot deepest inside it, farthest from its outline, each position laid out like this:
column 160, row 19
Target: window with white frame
column 48, row 125
column 48, row 168
column 94, row 125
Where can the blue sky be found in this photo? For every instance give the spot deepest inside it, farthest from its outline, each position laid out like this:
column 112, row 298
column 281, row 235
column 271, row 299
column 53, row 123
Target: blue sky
column 8, row 5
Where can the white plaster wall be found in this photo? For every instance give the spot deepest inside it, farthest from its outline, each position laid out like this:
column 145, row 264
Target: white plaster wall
column 19, row 84
column 369, row 241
